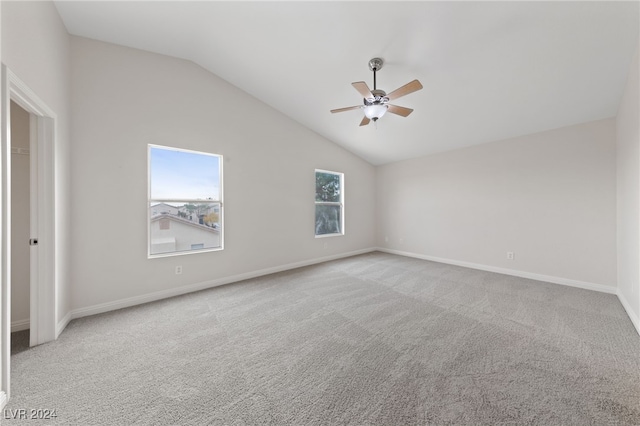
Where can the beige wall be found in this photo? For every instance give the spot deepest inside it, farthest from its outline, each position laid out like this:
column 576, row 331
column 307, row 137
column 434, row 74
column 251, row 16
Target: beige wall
column 547, row 197
column 124, row 99
column 35, row 46
column 20, row 232
column 628, row 162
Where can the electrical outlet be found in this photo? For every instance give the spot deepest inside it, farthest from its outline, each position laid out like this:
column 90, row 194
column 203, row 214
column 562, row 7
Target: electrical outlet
column 179, row 270
column 386, row 239
column 326, row 245
column 510, row 255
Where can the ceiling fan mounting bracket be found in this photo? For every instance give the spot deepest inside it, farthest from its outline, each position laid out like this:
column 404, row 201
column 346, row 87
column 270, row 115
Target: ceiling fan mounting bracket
column 375, row 64
column 379, row 97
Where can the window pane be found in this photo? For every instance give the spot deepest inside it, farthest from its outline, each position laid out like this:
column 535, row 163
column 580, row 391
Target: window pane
column 328, row 187
column 177, row 174
column 179, row 227
column 328, row 219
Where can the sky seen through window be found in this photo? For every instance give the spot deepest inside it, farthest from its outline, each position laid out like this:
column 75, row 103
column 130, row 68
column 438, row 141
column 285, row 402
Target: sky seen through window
column 182, row 175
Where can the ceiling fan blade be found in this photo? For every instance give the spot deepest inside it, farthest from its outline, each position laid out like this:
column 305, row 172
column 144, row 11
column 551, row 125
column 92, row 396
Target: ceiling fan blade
column 345, row 109
column 363, row 89
column 364, row 121
column 405, row 90
column 398, row 110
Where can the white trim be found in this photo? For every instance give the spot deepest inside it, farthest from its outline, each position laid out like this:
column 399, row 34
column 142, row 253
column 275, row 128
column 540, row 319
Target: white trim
column 20, row 325
column 62, row 324
column 538, row 277
column 158, row 295
column 3, row 400
column 5, row 234
column 26, row 98
column 329, row 235
column 627, row 307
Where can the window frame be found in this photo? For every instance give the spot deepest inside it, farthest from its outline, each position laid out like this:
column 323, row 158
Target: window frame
column 331, row 203
column 150, row 200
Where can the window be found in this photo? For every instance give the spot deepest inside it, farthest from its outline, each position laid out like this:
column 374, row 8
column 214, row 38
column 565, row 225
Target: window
column 184, row 202
column 329, row 203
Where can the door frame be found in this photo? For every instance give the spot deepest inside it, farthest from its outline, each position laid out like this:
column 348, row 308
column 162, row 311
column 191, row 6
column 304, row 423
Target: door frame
column 43, row 306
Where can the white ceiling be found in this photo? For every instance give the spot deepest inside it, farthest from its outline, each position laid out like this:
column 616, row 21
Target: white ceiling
column 490, row 70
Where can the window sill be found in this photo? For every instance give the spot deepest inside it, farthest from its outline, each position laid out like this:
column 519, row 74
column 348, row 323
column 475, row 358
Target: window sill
column 330, row 235
column 183, row 253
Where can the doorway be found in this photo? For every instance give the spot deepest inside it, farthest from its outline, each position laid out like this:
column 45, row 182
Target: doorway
column 42, row 298
column 21, row 218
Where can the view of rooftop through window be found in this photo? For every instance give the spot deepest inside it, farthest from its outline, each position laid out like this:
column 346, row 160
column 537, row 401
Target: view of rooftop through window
column 185, row 201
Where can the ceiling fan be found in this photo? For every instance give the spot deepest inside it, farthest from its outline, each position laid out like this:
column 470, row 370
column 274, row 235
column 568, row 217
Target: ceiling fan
column 376, row 101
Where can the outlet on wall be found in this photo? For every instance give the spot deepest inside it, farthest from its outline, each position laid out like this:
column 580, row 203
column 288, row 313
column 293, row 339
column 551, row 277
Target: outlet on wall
column 511, row 255
column 326, row 245
column 178, row 269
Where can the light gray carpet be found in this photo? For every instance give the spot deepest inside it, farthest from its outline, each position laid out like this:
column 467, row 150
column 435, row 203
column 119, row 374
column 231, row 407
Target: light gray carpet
column 19, row 341
column 373, row 339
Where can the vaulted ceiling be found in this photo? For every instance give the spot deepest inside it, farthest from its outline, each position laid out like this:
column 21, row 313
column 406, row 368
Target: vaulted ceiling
column 490, row 70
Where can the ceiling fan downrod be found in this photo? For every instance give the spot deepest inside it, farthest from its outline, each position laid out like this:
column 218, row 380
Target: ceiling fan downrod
column 375, row 64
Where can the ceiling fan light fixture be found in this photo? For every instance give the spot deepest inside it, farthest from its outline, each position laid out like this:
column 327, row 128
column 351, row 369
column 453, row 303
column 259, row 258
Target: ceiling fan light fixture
column 375, row 111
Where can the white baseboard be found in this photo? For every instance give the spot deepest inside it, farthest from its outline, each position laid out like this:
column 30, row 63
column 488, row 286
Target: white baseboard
column 20, row 325
column 158, row 295
column 513, row 272
column 632, row 315
column 62, row 324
